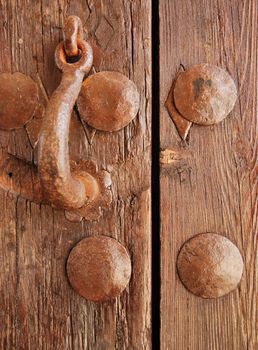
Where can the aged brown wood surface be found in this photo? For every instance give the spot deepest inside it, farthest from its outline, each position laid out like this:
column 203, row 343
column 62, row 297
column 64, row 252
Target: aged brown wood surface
column 209, row 182
column 39, row 310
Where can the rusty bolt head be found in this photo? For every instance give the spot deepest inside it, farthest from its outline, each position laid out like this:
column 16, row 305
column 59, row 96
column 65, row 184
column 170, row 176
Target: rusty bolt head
column 99, row 268
column 108, row 101
column 18, row 100
column 204, row 94
column 210, row 265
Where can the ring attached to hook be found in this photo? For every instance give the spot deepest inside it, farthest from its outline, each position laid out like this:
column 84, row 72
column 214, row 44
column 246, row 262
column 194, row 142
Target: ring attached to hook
column 84, row 62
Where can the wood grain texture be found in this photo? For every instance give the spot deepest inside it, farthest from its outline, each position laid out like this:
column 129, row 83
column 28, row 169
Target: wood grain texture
column 210, row 182
column 39, row 310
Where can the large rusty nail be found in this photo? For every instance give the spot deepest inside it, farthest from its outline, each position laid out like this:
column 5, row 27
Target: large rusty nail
column 108, row 101
column 210, row 265
column 204, row 94
column 99, row 268
column 18, row 100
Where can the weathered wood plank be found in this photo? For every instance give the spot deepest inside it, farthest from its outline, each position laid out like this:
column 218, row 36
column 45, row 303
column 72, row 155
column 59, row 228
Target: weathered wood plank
column 212, row 183
column 39, row 310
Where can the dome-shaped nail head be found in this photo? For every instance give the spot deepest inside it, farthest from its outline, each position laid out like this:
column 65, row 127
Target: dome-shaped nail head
column 99, row 268
column 108, row 101
column 204, row 94
column 18, row 100
column 210, row 265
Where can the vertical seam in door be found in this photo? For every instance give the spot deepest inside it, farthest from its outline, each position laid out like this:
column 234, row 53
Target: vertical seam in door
column 155, row 179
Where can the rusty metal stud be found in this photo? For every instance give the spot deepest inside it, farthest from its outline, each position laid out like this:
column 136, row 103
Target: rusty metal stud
column 204, row 94
column 99, row 268
column 18, row 100
column 108, row 101
column 210, row 265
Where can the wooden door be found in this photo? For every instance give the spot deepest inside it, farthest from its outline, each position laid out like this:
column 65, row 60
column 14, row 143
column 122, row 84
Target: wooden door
column 209, row 182
column 39, row 309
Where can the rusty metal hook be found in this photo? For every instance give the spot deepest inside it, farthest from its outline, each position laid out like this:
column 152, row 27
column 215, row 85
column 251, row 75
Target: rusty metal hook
column 79, row 188
column 60, row 187
column 73, row 33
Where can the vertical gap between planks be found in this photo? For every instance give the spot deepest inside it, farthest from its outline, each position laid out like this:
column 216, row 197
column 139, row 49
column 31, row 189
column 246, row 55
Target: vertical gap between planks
column 155, row 180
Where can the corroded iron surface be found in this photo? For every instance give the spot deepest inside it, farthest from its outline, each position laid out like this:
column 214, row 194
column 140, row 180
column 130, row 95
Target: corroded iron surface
column 108, row 101
column 99, row 268
column 97, row 186
column 210, row 265
column 19, row 177
column 73, row 32
column 183, row 126
column 79, row 188
column 18, row 100
column 204, row 94
column 61, row 188
column 22, row 179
